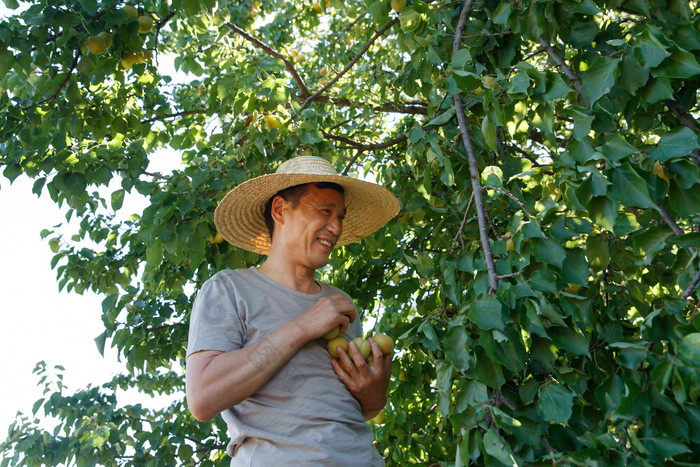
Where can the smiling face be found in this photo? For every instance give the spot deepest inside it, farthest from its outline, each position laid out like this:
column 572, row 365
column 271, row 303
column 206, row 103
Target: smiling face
column 310, row 230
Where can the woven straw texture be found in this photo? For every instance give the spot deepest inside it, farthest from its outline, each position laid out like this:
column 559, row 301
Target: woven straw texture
column 239, row 217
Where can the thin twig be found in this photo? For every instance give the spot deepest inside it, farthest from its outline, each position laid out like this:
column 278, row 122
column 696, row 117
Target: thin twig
column 414, row 108
column 364, row 49
column 159, row 26
column 64, row 82
column 685, row 118
column 351, row 163
column 460, row 232
column 177, row 114
column 366, row 146
column 695, row 311
column 671, row 222
column 512, row 274
column 473, row 168
column 508, row 194
column 692, row 286
column 566, row 69
column 500, row 144
column 270, row 51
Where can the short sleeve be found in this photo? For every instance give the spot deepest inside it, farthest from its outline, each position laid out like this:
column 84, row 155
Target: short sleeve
column 215, row 322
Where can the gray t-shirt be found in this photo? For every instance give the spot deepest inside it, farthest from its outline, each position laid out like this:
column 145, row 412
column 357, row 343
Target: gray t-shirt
column 303, row 415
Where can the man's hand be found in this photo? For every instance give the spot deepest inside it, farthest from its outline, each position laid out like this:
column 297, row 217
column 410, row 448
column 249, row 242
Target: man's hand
column 324, row 315
column 368, row 383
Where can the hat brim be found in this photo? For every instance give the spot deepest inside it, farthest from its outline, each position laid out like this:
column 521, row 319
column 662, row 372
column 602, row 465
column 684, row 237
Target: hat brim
column 240, row 218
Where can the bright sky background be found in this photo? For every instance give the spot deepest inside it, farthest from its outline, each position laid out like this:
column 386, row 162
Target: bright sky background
column 38, row 322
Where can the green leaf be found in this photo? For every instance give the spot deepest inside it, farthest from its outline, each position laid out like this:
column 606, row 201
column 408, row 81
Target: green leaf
column 444, row 384
column 678, row 142
column 442, row 118
column 632, row 74
column 599, row 78
column 455, row 347
column 555, row 403
column 500, row 16
column 661, row 374
column 680, row 64
column 54, row 245
column 410, row 19
column 11, row 4
column 648, row 49
column 616, row 147
column 629, row 188
column 689, row 349
column 571, row 341
column 548, row 251
column 685, row 202
column 487, row 313
column 495, row 446
column 575, row 267
column 118, row 199
column 598, row 253
column 100, row 343
column 667, row 447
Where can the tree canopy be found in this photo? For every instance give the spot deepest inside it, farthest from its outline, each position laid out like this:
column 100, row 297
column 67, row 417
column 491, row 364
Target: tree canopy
column 540, row 280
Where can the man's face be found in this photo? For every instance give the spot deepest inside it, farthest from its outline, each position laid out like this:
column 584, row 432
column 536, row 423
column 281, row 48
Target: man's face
column 313, row 227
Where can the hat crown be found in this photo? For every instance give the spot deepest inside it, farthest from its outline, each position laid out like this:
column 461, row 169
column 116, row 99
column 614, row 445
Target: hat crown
column 310, row 165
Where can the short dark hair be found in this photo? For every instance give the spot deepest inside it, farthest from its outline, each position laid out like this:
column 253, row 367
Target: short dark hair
column 292, row 195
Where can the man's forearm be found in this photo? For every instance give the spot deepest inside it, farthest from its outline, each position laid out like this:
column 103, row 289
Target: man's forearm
column 226, row 379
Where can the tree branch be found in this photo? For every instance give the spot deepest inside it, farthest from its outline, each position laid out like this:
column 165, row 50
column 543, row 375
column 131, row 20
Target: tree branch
column 270, row 51
column 366, row 147
column 566, row 69
column 692, row 286
column 159, row 26
column 461, row 227
column 685, row 118
column 473, row 168
column 508, row 194
column 64, row 82
column 377, row 34
column 413, row 108
column 178, row 114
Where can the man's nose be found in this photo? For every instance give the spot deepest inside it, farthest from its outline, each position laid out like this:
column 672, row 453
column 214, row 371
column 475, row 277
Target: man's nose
column 335, row 226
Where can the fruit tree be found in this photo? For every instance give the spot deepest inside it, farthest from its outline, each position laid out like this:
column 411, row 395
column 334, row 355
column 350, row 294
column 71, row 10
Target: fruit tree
column 540, row 282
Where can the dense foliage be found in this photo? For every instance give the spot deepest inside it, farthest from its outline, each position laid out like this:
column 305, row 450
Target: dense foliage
column 540, row 280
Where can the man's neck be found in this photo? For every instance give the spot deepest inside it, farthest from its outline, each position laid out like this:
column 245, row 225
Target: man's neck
column 290, row 275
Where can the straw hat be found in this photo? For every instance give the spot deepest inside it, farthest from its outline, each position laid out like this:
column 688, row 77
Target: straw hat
column 240, row 219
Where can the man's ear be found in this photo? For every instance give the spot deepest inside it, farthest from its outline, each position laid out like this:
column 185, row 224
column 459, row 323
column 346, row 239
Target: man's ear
column 278, row 209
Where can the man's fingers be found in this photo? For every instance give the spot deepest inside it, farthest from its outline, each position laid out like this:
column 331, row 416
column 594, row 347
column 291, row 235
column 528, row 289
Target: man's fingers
column 376, row 352
column 345, row 362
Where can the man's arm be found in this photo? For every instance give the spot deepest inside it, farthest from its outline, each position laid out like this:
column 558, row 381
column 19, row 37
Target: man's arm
column 218, row 380
column 368, row 383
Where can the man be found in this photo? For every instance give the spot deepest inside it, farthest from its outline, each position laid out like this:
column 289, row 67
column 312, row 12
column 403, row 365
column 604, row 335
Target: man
column 255, row 352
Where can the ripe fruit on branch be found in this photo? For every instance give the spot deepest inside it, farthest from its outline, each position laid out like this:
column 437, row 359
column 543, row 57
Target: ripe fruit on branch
column 145, row 24
column 97, row 45
column 131, row 59
column 130, row 11
column 272, row 122
column 106, row 37
column 398, row 5
column 334, row 343
column 379, row 418
column 488, row 81
column 216, row 239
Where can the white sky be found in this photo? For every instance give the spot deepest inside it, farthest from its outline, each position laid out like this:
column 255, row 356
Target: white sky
column 38, row 322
